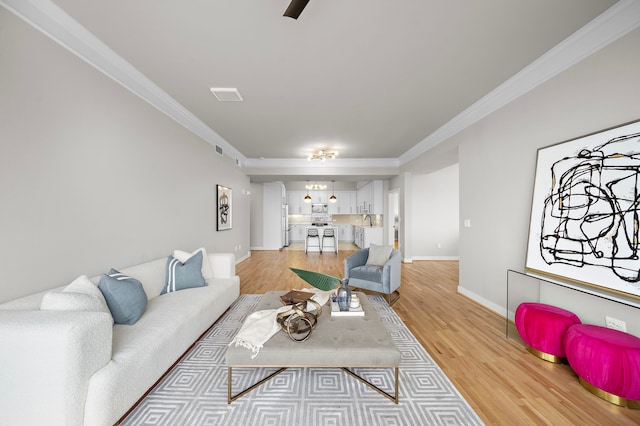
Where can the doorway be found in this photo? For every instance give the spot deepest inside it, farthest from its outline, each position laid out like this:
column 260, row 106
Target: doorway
column 394, row 217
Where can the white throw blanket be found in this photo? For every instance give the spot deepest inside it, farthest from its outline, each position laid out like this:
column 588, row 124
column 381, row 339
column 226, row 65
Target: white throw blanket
column 260, row 326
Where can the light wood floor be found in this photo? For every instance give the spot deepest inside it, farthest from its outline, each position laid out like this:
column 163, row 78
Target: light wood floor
column 503, row 382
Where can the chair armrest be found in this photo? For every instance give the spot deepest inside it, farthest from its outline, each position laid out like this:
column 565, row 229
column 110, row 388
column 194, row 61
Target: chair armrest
column 223, row 265
column 391, row 272
column 358, row 258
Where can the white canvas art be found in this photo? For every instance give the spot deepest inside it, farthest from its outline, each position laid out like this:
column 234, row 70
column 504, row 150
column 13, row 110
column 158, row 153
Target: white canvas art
column 585, row 214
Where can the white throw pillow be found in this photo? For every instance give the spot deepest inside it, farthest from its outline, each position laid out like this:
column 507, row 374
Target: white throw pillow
column 80, row 295
column 68, row 301
column 183, row 256
column 378, row 255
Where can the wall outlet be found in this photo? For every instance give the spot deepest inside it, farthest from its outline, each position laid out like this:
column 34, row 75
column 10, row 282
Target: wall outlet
column 615, row 324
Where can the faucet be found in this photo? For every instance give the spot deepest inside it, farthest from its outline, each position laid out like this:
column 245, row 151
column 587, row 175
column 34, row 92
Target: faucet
column 370, row 221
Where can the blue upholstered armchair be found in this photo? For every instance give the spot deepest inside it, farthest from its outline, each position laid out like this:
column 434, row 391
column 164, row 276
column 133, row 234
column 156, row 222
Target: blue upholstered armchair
column 382, row 277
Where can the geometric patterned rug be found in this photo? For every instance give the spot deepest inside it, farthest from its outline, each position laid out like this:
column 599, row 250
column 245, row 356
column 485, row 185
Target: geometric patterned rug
column 195, row 390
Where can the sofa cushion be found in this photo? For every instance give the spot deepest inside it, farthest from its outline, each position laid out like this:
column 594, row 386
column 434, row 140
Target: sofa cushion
column 378, row 255
column 183, row 256
column 184, row 275
column 125, row 297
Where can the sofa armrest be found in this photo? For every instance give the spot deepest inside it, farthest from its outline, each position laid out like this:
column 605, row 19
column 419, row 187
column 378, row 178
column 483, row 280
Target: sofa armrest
column 223, row 265
column 46, row 361
column 358, row 258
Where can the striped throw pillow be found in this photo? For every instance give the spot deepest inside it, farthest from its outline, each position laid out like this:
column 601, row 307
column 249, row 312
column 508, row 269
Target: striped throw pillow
column 184, row 275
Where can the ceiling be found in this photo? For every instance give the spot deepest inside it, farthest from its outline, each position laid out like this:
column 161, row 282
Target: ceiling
column 372, row 79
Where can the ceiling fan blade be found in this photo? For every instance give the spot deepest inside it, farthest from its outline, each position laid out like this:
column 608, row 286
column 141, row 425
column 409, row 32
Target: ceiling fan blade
column 295, row 8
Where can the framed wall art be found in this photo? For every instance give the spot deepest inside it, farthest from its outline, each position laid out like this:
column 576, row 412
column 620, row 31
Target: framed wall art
column 224, row 207
column 585, row 213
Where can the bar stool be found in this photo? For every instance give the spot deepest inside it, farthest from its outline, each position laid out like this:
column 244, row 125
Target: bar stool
column 312, row 233
column 329, row 233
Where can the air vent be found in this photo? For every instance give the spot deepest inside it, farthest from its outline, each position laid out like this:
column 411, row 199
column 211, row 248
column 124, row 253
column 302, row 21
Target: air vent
column 219, row 150
column 227, row 94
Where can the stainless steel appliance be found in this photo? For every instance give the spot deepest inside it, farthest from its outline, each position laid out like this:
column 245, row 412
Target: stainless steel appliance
column 319, row 208
column 285, row 225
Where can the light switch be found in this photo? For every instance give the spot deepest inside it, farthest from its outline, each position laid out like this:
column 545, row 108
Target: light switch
column 467, row 223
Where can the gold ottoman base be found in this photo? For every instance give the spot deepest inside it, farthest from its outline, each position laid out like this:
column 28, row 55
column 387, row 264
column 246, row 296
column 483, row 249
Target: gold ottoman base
column 545, row 356
column 609, row 397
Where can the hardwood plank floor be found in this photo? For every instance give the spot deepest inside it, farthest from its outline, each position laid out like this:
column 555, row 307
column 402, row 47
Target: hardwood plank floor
column 504, row 383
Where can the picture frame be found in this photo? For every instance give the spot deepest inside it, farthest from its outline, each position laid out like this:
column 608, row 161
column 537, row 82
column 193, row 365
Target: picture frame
column 585, row 211
column 224, row 208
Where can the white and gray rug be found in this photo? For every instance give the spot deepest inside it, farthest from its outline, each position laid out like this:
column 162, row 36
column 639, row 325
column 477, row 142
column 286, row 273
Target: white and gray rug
column 195, row 391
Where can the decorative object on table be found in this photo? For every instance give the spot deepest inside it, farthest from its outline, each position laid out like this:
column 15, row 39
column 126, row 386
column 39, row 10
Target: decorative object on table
column 223, row 208
column 352, row 312
column 295, row 296
column 298, row 322
column 583, row 210
column 343, row 295
column 320, row 281
column 355, row 302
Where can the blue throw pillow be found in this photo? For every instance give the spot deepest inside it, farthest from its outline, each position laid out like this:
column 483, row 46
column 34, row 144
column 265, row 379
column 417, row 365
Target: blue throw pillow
column 125, row 297
column 184, row 275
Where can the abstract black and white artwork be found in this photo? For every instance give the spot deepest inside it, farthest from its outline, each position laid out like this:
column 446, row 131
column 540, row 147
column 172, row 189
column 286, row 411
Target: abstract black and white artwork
column 224, row 204
column 585, row 214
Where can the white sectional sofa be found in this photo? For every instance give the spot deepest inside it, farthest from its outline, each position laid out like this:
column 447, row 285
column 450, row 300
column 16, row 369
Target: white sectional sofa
column 78, row 368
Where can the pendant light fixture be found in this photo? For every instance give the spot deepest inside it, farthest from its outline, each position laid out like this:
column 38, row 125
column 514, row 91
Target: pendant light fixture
column 333, row 197
column 307, row 198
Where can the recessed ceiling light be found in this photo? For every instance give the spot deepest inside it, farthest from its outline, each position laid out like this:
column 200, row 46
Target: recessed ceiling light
column 227, row 94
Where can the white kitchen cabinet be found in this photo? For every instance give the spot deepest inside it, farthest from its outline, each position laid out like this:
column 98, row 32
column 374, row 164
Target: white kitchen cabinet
column 345, row 233
column 370, row 198
column 319, row 197
column 294, row 202
column 297, row 233
column 295, row 199
column 346, row 203
column 365, row 236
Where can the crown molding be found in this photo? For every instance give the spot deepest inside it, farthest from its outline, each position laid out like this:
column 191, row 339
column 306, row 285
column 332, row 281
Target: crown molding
column 55, row 23
column 609, row 26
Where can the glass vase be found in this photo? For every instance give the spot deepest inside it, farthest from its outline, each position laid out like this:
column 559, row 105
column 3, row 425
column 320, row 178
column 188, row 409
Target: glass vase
column 344, row 295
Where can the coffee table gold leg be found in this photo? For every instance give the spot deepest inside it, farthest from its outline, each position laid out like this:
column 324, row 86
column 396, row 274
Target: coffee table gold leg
column 230, row 398
column 393, row 398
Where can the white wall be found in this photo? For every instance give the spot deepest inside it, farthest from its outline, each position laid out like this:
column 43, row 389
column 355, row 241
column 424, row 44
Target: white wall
column 257, row 217
column 92, row 177
column 497, row 159
column 435, row 214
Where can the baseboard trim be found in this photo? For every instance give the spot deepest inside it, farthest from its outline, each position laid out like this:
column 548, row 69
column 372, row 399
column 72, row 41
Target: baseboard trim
column 243, row 258
column 436, row 258
column 482, row 301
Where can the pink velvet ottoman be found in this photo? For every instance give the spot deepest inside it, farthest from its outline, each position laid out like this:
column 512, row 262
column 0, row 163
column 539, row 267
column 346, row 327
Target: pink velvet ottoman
column 542, row 327
column 607, row 362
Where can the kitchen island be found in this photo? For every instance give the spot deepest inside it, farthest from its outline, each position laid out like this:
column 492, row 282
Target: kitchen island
column 319, row 244
column 364, row 236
